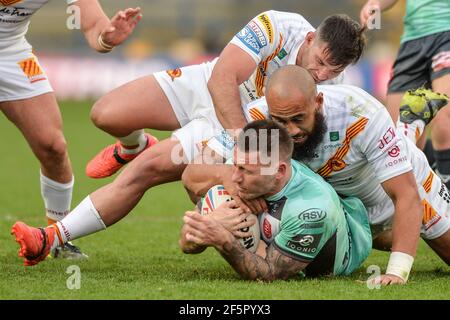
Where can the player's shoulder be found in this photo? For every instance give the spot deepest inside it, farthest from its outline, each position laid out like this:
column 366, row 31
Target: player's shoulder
column 310, row 188
column 284, row 19
column 350, row 99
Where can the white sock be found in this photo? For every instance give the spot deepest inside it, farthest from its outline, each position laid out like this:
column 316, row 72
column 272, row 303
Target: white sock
column 134, row 142
column 412, row 131
column 57, row 197
column 82, row 221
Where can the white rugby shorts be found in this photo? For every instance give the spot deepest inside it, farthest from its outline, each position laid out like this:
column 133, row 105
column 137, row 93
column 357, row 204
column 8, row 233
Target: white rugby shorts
column 187, row 91
column 22, row 77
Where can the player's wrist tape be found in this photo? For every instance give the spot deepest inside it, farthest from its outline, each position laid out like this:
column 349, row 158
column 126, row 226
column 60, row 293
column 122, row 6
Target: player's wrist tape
column 400, row 265
column 103, row 45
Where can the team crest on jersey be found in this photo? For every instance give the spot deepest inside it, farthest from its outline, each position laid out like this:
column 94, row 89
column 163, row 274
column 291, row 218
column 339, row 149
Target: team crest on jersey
column 174, row 73
column 337, row 164
column 32, row 69
column 334, row 136
column 9, row 2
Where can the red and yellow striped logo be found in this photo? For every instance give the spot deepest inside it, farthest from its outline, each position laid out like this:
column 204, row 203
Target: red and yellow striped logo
column 428, row 182
column 336, row 162
column 260, row 74
column 256, row 114
column 31, row 69
column 9, row 2
column 430, row 216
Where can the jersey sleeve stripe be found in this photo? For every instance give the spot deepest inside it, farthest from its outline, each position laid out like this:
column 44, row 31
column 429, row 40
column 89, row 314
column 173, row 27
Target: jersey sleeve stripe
column 259, row 81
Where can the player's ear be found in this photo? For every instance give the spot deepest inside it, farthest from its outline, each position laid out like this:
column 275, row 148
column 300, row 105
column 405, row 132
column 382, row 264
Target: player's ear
column 282, row 170
column 310, row 36
column 319, row 100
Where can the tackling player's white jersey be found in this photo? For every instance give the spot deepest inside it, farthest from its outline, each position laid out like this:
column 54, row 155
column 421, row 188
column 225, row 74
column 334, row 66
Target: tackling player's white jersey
column 360, row 150
column 14, row 21
column 273, row 39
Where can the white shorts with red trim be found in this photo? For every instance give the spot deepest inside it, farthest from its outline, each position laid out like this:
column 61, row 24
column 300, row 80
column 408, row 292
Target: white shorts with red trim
column 22, row 77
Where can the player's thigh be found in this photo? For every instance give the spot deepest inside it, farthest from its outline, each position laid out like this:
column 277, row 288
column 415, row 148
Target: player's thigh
column 436, row 215
column 38, row 118
column 136, row 105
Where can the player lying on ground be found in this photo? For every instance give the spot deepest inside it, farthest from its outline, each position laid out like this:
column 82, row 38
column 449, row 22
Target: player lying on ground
column 348, row 137
column 309, row 230
column 28, row 101
column 286, row 38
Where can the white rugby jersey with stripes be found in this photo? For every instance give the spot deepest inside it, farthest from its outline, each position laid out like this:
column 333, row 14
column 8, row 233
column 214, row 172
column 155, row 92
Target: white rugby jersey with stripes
column 273, row 39
column 14, row 21
column 360, row 150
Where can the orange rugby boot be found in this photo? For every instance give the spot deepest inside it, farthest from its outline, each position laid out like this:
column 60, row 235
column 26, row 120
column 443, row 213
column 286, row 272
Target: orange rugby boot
column 35, row 243
column 110, row 159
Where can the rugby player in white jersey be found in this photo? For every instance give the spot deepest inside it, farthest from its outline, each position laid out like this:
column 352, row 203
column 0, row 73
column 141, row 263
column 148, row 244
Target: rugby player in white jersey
column 190, row 98
column 28, row 101
column 217, row 90
column 352, row 142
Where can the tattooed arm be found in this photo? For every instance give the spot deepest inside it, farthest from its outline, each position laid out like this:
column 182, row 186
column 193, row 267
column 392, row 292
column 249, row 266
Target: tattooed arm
column 275, row 266
column 205, row 231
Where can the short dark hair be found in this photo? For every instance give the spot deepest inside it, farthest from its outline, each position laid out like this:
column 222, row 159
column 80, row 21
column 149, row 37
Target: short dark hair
column 345, row 39
column 250, row 138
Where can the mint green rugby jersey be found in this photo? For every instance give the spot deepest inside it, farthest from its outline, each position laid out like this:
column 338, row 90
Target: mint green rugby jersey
column 309, row 222
column 425, row 17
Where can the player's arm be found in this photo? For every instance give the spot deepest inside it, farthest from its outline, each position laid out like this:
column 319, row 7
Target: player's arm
column 371, row 5
column 406, row 225
column 101, row 33
column 199, row 178
column 387, row 154
column 207, row 232
column 233, row 67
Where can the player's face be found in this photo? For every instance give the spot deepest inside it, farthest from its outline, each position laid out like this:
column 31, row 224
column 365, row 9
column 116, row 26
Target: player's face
column 304, row 121
column 248, row 176
column 315, row 58
column 297, row 115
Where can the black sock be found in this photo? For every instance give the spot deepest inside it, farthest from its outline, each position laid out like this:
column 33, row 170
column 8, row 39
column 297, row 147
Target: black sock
column 443, row 161
column 429, row 152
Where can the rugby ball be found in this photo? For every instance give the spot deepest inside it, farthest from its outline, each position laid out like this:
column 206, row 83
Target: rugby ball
column 218, row 195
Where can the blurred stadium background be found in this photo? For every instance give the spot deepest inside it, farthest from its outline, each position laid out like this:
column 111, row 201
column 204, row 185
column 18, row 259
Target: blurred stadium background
column 181, row 32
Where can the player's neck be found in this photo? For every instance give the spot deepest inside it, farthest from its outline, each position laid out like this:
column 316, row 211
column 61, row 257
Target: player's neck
column 281, row 183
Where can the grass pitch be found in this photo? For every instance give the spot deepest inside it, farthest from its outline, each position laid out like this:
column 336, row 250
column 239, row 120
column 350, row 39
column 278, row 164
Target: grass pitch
column 138, row 258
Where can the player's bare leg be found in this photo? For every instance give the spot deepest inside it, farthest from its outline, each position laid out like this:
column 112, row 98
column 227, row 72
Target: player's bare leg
column 108, row 204
column 39, row 120
column 153, row 167
column 440, row 132
column 123, row 113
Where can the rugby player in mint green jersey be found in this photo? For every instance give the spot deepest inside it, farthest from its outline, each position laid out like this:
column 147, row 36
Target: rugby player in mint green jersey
column 423, row 60
column 308, row 230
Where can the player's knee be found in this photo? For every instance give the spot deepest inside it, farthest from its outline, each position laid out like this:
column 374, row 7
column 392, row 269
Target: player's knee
column 52, row 149
column 100, row 115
